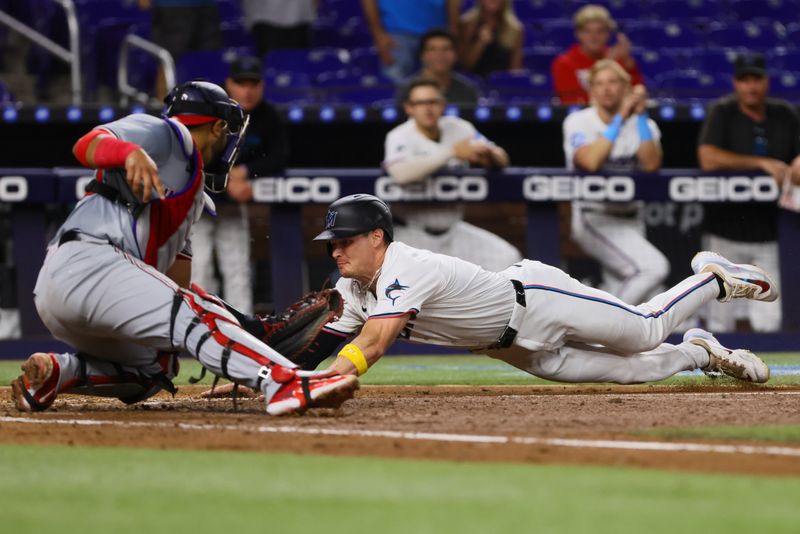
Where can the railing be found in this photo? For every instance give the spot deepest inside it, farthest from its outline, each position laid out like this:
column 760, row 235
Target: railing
column 540, row 189
column 161, row 54
column 71, row 56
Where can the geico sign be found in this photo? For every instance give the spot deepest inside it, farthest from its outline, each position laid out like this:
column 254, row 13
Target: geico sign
column 540, row 187
column 719, row 188
column 322, row 189
column 447, row 188
column 13, row 188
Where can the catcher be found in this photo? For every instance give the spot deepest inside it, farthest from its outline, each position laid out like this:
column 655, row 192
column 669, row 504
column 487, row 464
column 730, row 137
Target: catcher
column 114, row 284
column 531, row 315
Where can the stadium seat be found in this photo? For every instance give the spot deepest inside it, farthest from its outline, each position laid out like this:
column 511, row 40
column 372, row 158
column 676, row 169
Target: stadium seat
column 656, row 35
column 312, row 62
column 783, row 59
column 234, row 34
column 6, row 97
column 211, row 65
column 654, row 62
column 691, row 84
column 751, row 35
column 542, row 9
column 717, row 60
column 365, row 60
column 539, row 59
column 551, row 32
column 785, row 84
column 230, row 10
column 519, row 86
column 783, row 11
column 689, row 9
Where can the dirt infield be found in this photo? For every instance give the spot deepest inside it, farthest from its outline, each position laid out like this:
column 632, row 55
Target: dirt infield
column 601, row 425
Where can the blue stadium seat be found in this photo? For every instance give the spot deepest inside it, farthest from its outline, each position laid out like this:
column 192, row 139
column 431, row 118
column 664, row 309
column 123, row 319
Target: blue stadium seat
column 234, row 34
column 519, row 86
column 544, row 9
column 551, row 32
column 211, row 65
column 365, row 60
column 656, row 35
column 654, row 62
column 360, row 95
column 751, row 35
column 717, row 60
column 340, row 10
column 785, row 84
column 229, row 10
column 783, row 11
column 621, row 9
column 691, row 84
column 539, row 59
column 689, row 9
column 783, row 59
column 6, row 96
column 313, row 61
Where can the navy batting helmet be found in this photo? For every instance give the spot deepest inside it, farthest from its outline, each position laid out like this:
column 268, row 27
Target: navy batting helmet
column 196, row 102
column 356, row 214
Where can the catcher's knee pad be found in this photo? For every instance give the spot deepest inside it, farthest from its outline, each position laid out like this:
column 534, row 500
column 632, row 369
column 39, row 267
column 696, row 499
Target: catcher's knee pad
column 213, row 335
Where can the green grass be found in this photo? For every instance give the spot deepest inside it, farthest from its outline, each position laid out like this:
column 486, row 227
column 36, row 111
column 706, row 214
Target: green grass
column 66, row 490
column 470, row 370
column 777, row 433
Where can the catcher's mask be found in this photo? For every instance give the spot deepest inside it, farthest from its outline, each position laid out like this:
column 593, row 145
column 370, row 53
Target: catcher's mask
column 356, row 214
column 196, row 102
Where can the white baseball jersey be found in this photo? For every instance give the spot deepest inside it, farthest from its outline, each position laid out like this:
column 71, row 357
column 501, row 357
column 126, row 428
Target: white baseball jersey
column 585, row 126
column 162, row 229
column 450, row 301
column 406, row 141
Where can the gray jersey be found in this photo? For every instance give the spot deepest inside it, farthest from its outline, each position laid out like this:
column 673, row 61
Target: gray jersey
column 161, row 230
column 450, row 301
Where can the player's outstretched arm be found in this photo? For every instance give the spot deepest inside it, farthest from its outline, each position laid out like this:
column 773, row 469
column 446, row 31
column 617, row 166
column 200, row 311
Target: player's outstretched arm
column 375, row 338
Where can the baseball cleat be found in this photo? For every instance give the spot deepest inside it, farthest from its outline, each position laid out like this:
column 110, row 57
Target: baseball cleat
column 35, row 389
column 739, row 363
column 302, row 392
column 740, row 280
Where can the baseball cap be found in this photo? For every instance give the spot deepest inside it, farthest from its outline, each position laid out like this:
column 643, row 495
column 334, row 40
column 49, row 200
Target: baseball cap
column 246, row 68
column 748, row 63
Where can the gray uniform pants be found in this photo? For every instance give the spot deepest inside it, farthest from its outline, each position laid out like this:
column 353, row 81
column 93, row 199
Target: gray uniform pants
column 121, row 314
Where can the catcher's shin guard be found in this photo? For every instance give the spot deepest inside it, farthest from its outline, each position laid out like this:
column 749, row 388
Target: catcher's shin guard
column 206, row 329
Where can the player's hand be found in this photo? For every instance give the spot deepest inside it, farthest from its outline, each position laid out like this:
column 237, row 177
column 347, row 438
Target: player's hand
column 144, row 5
column 239, row 188
column 629, row 103
column 621, row 51
column 142, row 174
column 794, row 172
column 640, row 95
column 226, row 390
column 775, row 168
column 473, row 152
column 384, row 43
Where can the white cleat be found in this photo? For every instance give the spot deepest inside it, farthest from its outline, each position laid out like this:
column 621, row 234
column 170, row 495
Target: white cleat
column 740, row 280
column 739, row 363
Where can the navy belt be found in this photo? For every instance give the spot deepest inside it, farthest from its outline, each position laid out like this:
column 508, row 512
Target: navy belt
column 506, row 339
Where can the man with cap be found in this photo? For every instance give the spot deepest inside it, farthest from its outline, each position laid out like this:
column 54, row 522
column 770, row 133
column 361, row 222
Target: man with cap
column 748, row 131
column 264, row 152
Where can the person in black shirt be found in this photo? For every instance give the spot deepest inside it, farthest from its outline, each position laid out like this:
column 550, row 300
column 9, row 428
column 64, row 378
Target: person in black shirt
column 264, row 152
column 747, row 131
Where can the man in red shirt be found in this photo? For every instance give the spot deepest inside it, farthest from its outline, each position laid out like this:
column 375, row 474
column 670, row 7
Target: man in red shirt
column 570, row 70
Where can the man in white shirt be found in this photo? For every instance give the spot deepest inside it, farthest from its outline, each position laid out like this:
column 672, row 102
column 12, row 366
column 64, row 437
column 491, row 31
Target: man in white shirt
column 531, row 315
column 429, row 142
column 615, row 134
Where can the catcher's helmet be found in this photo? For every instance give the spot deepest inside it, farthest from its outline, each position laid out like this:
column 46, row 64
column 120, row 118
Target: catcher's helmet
column 198, row 102
column 356, row 214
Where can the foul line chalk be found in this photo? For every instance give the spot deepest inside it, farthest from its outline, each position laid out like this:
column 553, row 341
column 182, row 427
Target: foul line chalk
column 658, row 446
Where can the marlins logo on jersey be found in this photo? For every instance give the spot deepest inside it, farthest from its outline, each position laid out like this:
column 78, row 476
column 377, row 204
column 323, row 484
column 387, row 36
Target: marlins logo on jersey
column 394, row 287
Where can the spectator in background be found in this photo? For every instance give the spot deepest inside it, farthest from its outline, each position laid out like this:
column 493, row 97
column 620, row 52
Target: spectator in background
column 182, row 26
column 280, row 24
column 748, row 131
column 491, row 38
column 570, row 70
column 438, row 56
column 425, row 144
column 397, row 26
column 264, row 151
column 615, row 134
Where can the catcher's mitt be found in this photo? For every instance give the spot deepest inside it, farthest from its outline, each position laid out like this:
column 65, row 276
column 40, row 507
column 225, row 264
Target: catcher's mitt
column 294, row 330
